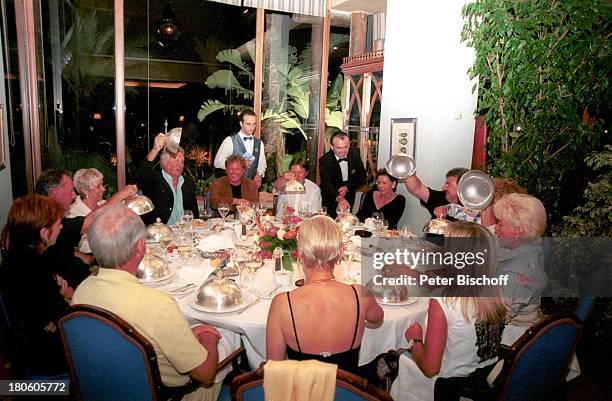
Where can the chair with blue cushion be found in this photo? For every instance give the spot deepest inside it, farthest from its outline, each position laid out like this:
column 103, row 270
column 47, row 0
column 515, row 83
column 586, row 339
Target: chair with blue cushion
column 349, row 387
column 536, row 364
column 110, row 360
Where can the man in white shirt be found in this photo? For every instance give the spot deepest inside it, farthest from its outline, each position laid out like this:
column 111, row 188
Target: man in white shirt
column 298, row 170
column 245, row 144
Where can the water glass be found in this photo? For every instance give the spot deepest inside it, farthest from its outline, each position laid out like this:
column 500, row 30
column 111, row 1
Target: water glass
column 223, row 210
column 303, row 209
column 283, row 278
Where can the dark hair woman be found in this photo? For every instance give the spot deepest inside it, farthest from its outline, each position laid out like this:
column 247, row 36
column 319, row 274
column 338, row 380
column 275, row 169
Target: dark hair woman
column 34, row 297
column 383, row 199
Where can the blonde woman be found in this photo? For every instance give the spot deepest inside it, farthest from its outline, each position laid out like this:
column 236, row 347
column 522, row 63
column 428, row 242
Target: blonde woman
column 325, row 318
column 89, row 184
column 521, row 222
column 463, row 327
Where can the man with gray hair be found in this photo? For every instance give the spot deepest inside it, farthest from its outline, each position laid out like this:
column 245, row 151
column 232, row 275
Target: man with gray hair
column 164, row 183
column 117, row 239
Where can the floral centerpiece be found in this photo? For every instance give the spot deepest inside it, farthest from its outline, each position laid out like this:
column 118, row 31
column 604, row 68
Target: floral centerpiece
column 274, row 237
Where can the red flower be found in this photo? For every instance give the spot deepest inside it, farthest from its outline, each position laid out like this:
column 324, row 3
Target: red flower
column 289, row 209
column 272, row 231
column 294, row 254
column 264, row 244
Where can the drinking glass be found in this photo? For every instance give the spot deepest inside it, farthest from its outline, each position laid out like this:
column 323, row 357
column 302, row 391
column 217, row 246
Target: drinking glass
column 184, row 245
column 223, row 210
column 261, row 209
column 282, row 278
column 165, row 240
column 342, row 210
column 187, row 217
column 303, row 209
column 204, row 212
column 323, row 210
column 349, row 254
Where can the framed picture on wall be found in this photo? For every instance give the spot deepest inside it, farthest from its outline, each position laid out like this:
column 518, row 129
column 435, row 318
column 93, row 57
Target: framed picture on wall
column 403, row 136
column 2, row 150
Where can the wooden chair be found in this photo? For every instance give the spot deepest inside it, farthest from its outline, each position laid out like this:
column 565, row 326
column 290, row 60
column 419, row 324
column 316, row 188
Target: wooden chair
column 349, row 387
column 110, row 360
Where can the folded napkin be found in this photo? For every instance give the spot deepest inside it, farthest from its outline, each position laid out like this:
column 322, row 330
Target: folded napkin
column 369, row 224
column 211, row 243
column 314, row 380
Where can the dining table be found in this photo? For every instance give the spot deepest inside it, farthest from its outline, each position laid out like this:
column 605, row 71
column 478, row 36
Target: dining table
column 246, row 326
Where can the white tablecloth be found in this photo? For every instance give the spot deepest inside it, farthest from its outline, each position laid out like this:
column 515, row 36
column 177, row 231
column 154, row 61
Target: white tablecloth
column 250, row 325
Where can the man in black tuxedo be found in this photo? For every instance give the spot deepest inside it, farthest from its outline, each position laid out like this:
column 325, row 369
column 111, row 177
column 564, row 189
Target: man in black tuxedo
column 342, row 172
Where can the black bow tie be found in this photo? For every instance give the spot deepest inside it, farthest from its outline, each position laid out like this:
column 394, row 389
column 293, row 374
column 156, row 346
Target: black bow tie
column 342, row 160
column 248, row 138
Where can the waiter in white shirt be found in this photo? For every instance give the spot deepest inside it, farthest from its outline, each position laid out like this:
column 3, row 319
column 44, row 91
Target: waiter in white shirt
column 245, row 144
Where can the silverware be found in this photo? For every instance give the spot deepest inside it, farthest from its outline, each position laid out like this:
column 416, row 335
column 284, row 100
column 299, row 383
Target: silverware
column 253, row 302
column 183, row 288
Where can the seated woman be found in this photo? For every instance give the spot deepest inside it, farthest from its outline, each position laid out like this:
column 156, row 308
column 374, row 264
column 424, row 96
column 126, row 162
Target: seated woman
column 34, row 297
column 297, row 320
column 89, row 184
column 298, row 170
column 464, row 327
column 521, row 221
column 384, row 200
column 233, row 189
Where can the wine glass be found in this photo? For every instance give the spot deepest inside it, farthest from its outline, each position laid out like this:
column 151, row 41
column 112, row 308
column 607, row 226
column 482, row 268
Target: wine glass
column 204, row 213
column 322, row 211
column 303, row 209
column 187, row 217
column 342, row 210
column 261, row 209
column 184, row 245
column 165, row 239
column 223, row 210
column 349, row 254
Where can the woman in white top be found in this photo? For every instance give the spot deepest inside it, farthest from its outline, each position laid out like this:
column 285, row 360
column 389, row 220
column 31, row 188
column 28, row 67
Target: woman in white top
column 88, row 183
column 463, row 328
column 298, row 170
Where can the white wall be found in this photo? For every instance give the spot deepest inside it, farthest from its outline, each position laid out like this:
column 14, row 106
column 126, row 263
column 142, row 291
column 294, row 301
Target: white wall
column 425, row 76
column 6, row 191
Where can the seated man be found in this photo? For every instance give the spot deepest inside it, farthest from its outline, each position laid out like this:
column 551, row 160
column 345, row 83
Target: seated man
column 430, row 198
column 171, row 191
column 298, row 170
column 233, row 189
column 62, row 258
column 117, row 239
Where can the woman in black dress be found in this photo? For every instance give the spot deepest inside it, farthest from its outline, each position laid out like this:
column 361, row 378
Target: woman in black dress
column 34, row 297
column 383, row 199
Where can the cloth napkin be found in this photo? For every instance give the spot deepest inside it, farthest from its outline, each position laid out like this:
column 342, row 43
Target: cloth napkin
column 314, row 380
column 211, row 243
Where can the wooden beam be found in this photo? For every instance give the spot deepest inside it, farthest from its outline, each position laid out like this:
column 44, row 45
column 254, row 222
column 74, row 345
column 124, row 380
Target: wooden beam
column 359, row 29
column 259, row 61
column 323, row 90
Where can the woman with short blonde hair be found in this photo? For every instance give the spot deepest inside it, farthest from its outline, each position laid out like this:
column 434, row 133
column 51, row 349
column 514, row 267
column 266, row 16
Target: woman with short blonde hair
column 521, row 222
column 322, row 305
column 88, row 183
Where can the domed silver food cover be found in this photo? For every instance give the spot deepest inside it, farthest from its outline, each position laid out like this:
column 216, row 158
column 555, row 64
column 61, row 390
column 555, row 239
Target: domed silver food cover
column 475, row 190
column 152, row 268
column 219, row 294
column 156, row 230
column 401, row 166
column 139, row 204
column 436, row 226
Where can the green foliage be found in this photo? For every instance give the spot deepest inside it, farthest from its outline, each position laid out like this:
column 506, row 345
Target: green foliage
column 593, row 217
column 543, row 65
column 73, row 160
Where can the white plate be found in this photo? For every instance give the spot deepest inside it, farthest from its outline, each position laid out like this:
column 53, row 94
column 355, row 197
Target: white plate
column 409, row 301
column 156, row 280
column 246, row 301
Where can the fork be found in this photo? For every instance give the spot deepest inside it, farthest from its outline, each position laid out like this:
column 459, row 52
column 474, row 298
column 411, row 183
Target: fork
column 182, row 288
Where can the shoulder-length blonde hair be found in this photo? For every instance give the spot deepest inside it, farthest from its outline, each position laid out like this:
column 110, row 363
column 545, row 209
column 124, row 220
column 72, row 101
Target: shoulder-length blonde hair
column 86, row 179
column 485, row 303
column 319, row 243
